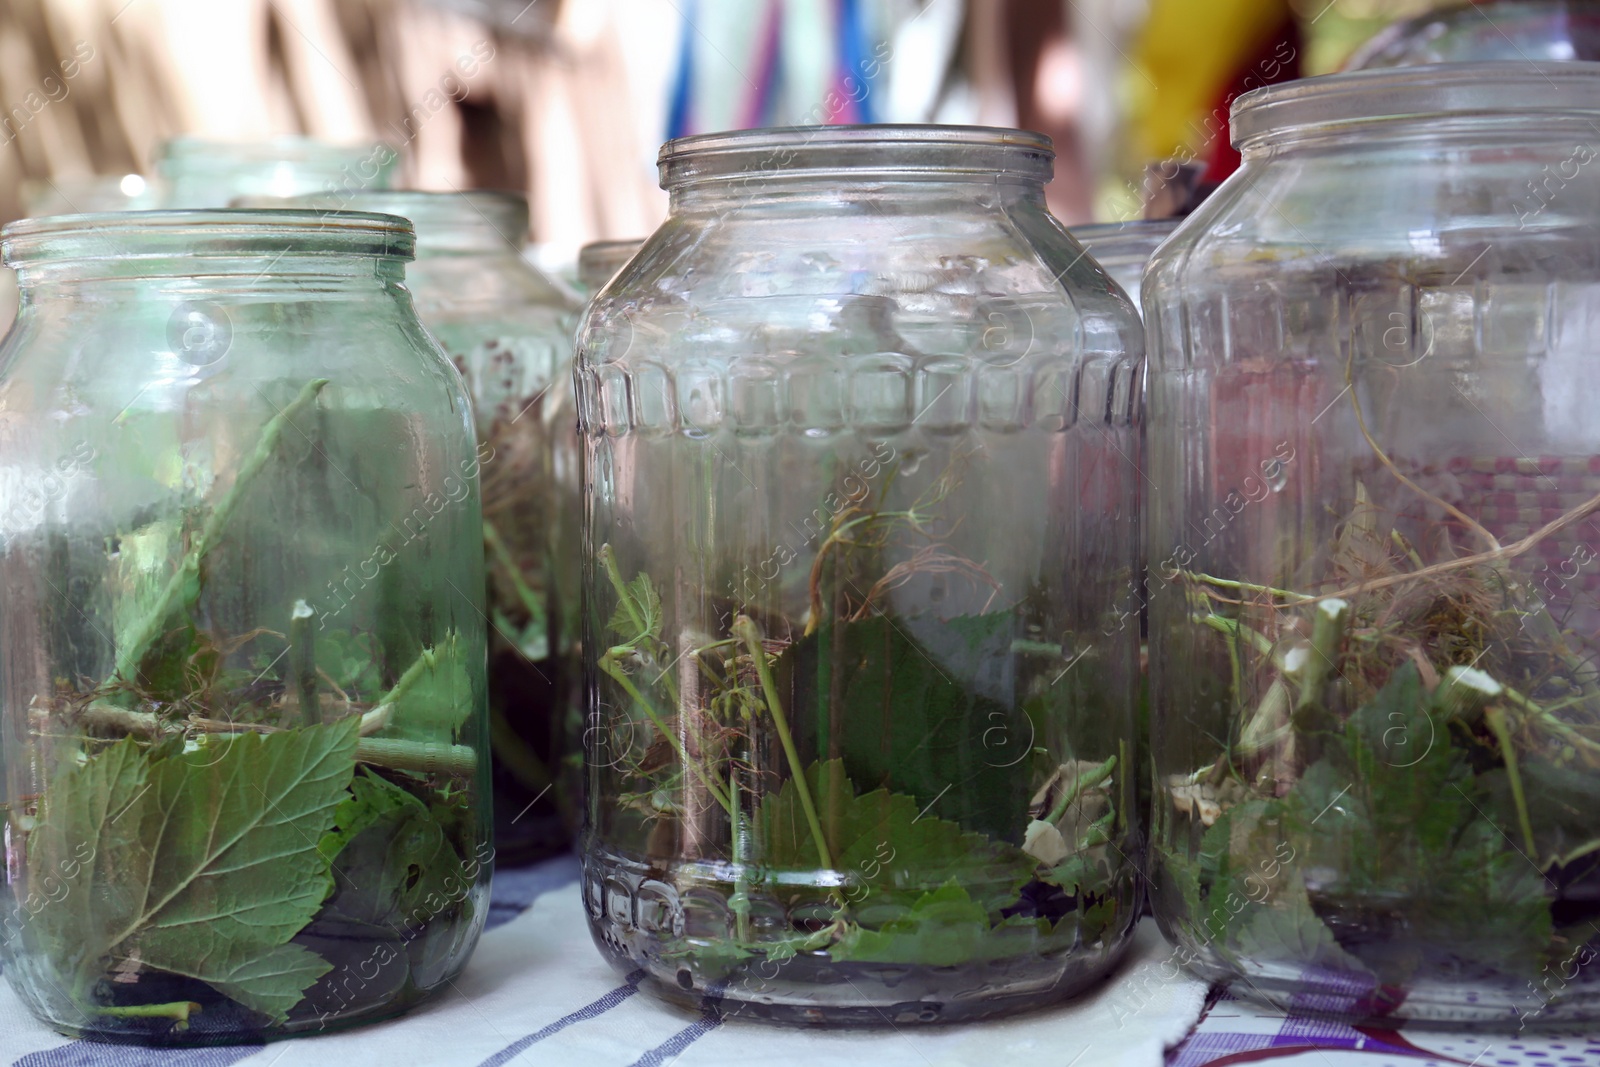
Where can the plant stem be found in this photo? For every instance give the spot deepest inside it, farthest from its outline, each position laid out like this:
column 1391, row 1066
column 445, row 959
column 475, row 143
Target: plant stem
column 427, row 756
column 394, row 753
column 745, row 630
column 1327, row 634
column 178, row 1010
column 1495, row 718
column 303, row 663
column 1080, row 783
column 530, row 599
column 184, row 584
column 608, row 559
column 608, row 663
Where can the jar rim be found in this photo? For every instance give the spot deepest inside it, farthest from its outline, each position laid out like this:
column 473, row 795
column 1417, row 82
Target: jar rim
column 1437, row 90
column 230, row 233
column 902, row 150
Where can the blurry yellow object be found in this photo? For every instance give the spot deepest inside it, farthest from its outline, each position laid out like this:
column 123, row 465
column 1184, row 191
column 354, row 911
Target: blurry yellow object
column 1188, row 53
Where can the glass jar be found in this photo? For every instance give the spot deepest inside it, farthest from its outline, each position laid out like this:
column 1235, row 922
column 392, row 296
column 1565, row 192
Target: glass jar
column 1373, row 468
column 599, row 262
column 204, row 173
column 509, row 331
column 1123, row 249
column 859, row 522
column 241, row 587
column 1509, row 30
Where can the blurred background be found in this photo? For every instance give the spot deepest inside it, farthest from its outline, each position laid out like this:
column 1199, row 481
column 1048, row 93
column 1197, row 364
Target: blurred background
column 568, row 100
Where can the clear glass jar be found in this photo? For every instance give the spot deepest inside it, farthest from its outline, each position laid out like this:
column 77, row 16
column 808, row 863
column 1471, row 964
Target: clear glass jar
column 599, row 262
column 859, row 512
column 1123, row 249
column 241, row 585
column 509, row 331
column 204, row 173
column 1524, row 31
column 1372, row 470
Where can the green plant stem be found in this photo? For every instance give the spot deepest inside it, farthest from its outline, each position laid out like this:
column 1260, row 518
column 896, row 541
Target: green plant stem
column 394, row 753
column 1080, row 783
column 497, row 547
column 745, row 630
column 426, row 756
column 1327, row 634
column 1495, row 718
column 187, row 577
column 303, row 663
column 608, row 559
column 1242, row 587
column 1231, row 628
column 608, row 663
column 177, row 1010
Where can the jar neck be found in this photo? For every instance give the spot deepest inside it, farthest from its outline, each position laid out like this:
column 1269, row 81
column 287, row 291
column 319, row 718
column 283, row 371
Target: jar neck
column 244, row 275
column 848, row 193
column 1421, row 133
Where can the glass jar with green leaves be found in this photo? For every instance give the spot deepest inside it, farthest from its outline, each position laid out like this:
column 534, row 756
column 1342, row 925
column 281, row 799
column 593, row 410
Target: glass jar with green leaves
column 1374, row 475
column 241, row 583
column 859, row 518
column 509, row 331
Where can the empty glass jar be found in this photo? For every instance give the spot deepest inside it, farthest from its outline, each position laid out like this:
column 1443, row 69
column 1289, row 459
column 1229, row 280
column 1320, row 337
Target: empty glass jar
column 1374, row 472
column 241, row 584
column 509, row 331
column 859, row 518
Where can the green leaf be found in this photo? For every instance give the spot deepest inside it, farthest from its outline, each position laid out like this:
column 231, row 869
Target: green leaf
column 1285, row 930
column 1080, row 874
column 944, row 928
column 916, row 714
column 1563, row 807
column 640, row 601
column 202, row 864
column 372, row 799
column 435, row 696
column 878, row 840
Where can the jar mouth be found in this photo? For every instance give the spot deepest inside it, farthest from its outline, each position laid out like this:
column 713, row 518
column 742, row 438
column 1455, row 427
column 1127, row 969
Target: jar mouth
column 1486, row 90
column 898, row 152
column 224, row 234
column 473, row 221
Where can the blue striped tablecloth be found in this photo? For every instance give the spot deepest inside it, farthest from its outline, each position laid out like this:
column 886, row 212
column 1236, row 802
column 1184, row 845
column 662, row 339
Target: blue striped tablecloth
column 537, row 992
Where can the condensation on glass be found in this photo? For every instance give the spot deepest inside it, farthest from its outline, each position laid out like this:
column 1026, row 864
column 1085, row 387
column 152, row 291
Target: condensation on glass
column 860, row 548
column 1374, row 470
column 241, row 583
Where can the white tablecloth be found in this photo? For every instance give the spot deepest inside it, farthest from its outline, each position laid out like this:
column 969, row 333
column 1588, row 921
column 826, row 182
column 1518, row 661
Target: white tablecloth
column 537, row 992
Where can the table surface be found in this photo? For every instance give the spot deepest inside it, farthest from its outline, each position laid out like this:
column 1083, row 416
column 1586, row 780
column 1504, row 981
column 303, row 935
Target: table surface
column 538, row 992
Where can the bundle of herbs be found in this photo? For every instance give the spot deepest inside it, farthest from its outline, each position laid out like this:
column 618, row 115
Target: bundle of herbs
column 247, row 833
column 1411, row 790
column 851, row 785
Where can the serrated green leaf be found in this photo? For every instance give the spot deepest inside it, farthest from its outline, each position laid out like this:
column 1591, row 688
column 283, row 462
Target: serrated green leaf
column 914, row 715
column 943, row 928
column 879, row 841
column 641, row 602
column 372, row 798
column 202, row 864
column 439, row 701
column 1285, row 930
